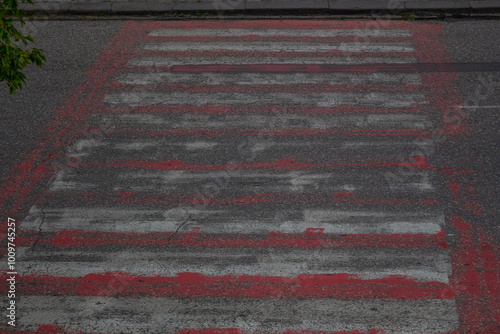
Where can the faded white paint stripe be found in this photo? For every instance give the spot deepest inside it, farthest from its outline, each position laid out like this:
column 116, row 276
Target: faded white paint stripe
column 242, row 181
column 145, row 98
column 168, row 315
column 83, row 146
column 422, row 265
column 171, row 61
column 265, row 121
column 283, row 32
column 480, row 107
column 279, row 46
column 260, row 149
column 195, row 145
column 425, row 145
column 208, row 78
column 221, row 221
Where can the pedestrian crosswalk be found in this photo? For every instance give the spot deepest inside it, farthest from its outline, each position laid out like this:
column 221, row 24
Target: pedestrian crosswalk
column 220, row 181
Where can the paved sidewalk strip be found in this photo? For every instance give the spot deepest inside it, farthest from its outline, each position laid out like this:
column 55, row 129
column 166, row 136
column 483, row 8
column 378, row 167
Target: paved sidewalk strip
column 264, row 7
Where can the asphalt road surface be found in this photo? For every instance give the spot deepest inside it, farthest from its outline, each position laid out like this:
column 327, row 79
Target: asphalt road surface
column 264, row 176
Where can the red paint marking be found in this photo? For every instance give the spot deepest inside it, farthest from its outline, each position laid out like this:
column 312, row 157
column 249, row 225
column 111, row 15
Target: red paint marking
column 212, row 331
column 478, row 313
column 264, row 109
column 55, row 329
column 240, row 331
column 464, row 196
column 49, row 329
column 430, row 46
column 308, row 239
column 342, row 194
column 194, row 285
column 490, row 276
column 468, row 279
column 21, row 186
column 387, row 201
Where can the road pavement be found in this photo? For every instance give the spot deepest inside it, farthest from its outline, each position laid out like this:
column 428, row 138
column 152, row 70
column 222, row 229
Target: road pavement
column 261, row 176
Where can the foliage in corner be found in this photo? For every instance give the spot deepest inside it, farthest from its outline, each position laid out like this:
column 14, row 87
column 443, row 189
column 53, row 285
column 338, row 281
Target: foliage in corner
column 13, row 58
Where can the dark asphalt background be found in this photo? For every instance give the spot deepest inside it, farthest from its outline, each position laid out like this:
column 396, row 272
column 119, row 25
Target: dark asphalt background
column 71, row 46
column 478, row 41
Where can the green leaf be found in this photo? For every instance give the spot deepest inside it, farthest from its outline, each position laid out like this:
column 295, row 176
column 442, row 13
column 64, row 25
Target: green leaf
column 13, row 58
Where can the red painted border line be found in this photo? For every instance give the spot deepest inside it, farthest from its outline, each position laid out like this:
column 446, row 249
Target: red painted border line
column 212, row 199
column 477, row 312
column 194, row 285
column 53, row 329
column 313, row 238
column 265, row 109
column 442, row 92
column 475, row 278
column 290, row 163
column 19, row 188
column 474, row 309
column 240, row 331
column 464, row 196
column 56, row 329
column 267, row 88
column 490, row 277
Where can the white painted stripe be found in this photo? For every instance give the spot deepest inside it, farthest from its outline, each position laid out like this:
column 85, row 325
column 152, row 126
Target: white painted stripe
column 279, row 46
column 291, row 177
column 222, row 60
column 259, row 148
column 242, row 182
column 283, row 32
column 392, row 223
column 267, row 121
column 197, row 145
column 138, row 145
column 207, row 78
column 262, row 149
column 169, row 315
column 480, row 107
column 222, row 221
column 422, row 265
column 84, row 147
column 388, row 100
column 424, row 145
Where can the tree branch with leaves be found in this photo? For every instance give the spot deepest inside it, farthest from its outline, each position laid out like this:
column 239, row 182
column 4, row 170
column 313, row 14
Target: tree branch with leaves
column 13, row 58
